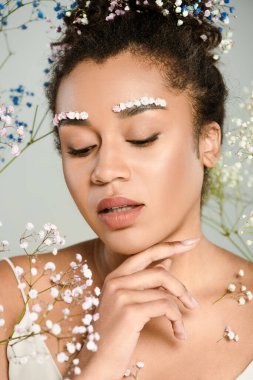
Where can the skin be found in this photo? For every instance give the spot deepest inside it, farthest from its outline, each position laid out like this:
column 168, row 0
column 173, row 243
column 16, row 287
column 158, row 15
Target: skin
column 117, row 167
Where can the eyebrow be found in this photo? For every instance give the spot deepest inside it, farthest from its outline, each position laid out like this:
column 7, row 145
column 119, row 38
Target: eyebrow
column 128, row 112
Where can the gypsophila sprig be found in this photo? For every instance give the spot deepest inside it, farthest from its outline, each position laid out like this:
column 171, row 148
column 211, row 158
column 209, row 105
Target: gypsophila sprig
column 229, row 334
column 237, row 291
column 130, row 372
column 67, row 293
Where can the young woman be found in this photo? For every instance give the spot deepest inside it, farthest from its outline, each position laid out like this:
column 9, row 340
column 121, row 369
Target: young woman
column 138, row 105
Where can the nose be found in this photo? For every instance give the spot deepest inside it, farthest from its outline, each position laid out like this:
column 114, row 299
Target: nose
column 110, row 164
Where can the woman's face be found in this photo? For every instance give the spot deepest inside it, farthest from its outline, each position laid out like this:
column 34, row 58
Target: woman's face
column 165, row 175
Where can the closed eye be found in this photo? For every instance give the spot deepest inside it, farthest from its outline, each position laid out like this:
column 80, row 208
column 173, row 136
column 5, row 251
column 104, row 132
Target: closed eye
column 140, row 143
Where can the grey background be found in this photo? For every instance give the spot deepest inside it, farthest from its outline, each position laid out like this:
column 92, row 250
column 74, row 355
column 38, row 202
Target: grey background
column 33, row 189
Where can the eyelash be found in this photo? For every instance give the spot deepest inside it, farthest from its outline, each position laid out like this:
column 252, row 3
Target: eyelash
column 140, row 143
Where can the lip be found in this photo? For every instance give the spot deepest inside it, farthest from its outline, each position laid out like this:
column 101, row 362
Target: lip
column 116, row 201
column 121, row 219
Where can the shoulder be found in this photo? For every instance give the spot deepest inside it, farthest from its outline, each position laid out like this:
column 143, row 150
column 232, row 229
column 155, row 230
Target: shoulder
column 10, row 294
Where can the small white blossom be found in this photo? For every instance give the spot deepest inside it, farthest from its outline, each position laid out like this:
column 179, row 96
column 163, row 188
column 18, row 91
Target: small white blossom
column 241, row 301
column 34, row 316
column 24, row 244
column 1, row 308
column 62, row 357
column 50, row 266
column 243, row 288
column 77, row 370
column 33, row 293
column 22, row 285
column 54, row 292
column 34, row 271
column 37, row 308
column 19, row 271
column 71, row 347
column 241, row 273
column 35, row 328
column 50, row 307
column 79, row 257
column 49, row 324
column 29, row 226
column 56, row 329
column 2, row 322
column 231, row 287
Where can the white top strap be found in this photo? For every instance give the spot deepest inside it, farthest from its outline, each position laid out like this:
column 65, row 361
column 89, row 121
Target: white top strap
column 19, row 282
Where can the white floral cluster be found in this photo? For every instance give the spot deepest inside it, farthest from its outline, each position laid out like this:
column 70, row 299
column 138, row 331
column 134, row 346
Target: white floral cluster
column 230, row 334
column 47, row 237
column 139, row 365
column 7, row 122
column 242, row 295
column 69, row 287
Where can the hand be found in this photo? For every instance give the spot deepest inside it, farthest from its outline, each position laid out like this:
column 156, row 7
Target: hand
column 130, row 297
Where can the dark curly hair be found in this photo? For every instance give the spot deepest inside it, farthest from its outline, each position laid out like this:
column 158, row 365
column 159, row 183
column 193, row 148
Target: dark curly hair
column 185, row 59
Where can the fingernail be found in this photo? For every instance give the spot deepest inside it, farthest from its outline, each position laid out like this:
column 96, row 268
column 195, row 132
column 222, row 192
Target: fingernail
column 190, row 241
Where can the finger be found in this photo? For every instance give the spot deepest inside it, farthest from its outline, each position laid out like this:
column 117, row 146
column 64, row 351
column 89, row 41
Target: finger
column 152, row 278
column 127, row 296
column 141, row 260
column 163, row 307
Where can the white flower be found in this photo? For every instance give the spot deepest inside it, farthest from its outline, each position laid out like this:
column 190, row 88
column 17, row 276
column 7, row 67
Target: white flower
column 48, row 242
column 50, row 266
column 241, row 301
column 15, row 150
column 34, row 316
column 66, row 311
column 231, row 287
column 77, row 291
column 33, row 293
column 19, row 271
column 49, row 324
column 86, row 271
column 22, row 285
column 34, row 271
column 50, row 307
column 76, row 361
column 71, row 347
column 5, row 243
column 97, row 291
column 95, row 316
column 78, row 347
column 54, row 292
column 91, row 346
column 77, row 370
column 37, row 308
column 56, row 329
column 73, row 265
column 1, row 308
column 41, row 234
column 230, row 335
column 87, row 304
column 87, row 319
column 29, row 226
column 236, row 338
column 243, row 288
column 62, row 357
column 24, row 244
column 54, row 251
column 35, row 328
column 79, row 257
column 140, row 364
column 249, row 295
column 47, row 226
column 127, row 372
column 2, row 322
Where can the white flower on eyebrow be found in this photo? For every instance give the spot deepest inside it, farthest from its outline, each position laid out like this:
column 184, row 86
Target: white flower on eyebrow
column 69, row 115
column 145, row 100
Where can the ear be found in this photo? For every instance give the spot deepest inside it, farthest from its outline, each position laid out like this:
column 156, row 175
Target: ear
column 210, row 144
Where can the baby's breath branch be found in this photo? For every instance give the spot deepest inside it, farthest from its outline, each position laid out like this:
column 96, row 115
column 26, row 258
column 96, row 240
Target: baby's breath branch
column 10, row 53
column 220, row 298
column 23, row 149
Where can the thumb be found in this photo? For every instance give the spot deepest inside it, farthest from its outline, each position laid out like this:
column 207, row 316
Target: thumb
column 166, row 264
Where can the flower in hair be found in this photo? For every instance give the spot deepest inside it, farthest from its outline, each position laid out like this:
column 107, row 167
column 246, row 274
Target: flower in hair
column 213, row 11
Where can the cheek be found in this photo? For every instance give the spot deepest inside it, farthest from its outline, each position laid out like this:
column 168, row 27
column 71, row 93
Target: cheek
column 179, row 175
column 73, row 178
